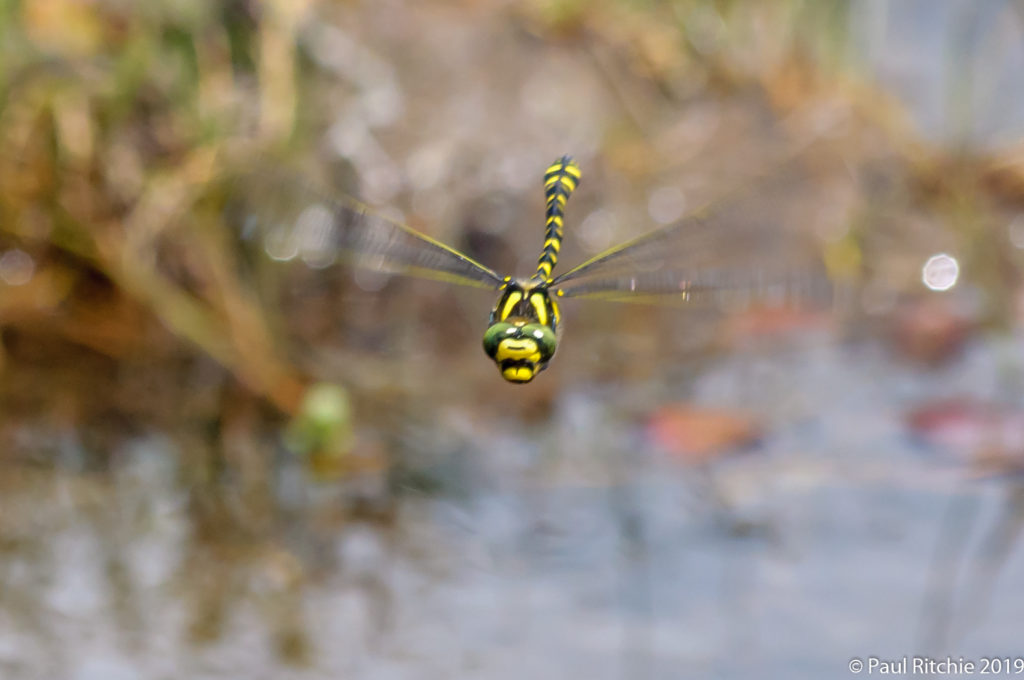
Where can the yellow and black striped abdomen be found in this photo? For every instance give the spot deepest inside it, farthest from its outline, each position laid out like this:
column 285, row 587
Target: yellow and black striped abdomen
column 560, row 180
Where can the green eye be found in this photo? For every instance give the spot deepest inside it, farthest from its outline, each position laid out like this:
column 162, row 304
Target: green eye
column 494, row 335
column 544, row 337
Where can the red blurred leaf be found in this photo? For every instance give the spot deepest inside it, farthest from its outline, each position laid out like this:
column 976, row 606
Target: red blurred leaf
column 760, row 322
column 990, row 436
column 695, row 434
column 931, row 330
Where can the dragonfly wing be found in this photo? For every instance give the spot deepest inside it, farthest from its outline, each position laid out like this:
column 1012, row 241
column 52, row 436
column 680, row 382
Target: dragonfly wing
column 740, row 250
column 293, row 220
column 722, row 288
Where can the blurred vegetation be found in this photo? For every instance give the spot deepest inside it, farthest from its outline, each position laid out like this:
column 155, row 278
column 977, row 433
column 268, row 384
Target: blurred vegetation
column 116, row 118
column 135, row 310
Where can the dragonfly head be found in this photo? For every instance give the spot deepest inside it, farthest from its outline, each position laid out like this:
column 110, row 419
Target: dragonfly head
column 520, row 347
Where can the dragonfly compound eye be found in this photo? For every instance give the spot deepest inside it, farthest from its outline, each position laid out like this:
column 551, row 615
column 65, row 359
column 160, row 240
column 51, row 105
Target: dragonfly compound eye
column 544, row 337
column 495, row 334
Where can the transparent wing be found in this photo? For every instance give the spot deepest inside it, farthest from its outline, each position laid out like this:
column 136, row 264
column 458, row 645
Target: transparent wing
column 750, row 246
column 292, row 220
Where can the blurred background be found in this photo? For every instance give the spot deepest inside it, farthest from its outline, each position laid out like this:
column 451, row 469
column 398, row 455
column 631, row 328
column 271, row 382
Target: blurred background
column 220, row 461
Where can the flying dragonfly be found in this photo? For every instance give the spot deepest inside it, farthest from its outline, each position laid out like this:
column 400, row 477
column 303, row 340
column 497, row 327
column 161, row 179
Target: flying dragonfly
column 681, row 262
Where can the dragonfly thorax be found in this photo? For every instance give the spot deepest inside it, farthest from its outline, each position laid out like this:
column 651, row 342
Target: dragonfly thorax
column 522, row 335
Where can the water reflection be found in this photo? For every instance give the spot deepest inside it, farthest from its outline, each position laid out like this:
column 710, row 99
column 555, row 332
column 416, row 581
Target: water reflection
column 572, row 547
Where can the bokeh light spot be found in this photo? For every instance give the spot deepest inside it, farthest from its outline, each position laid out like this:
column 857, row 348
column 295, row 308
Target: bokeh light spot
column 666, row 204
column 597, row 230
column 279, row 244
column 940, row 272
column 1016, row 231
column 16, row 267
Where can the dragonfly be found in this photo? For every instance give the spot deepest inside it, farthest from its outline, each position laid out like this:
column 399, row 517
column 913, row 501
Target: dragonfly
column 727, row 256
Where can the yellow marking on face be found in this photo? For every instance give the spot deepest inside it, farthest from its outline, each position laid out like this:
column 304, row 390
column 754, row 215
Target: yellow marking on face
column 537, row 300
column 519, row 374
column 556, row 311
column 553, row 243
column 522, row 348
column 513, row 299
